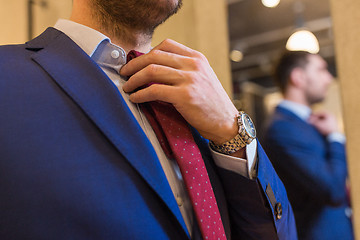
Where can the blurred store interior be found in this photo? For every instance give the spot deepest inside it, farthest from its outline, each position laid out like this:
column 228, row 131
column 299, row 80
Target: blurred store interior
column 257, row 35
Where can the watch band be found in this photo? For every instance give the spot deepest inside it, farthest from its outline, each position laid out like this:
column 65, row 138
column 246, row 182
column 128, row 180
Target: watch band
column 238, row 142
column 229, row 147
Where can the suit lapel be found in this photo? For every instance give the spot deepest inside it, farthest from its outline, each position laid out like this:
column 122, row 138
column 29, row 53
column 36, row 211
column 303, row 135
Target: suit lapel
column 100, row 100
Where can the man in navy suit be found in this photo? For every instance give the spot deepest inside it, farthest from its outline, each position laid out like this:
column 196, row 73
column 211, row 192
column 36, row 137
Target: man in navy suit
column 78, row 158
column 307, row 150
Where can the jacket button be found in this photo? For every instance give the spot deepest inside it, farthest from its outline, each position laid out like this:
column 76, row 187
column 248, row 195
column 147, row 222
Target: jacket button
column 278, row 211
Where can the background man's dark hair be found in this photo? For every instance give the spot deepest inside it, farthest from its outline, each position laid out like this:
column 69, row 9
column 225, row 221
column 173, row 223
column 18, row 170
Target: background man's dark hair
column 288, row 61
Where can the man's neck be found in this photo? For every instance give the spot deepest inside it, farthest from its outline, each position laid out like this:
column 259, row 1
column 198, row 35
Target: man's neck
column 128, row 39
column 296, row 97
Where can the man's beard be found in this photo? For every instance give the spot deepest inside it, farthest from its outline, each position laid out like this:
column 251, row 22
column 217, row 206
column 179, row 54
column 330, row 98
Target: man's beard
column 315, row 100
column 119, row 17
column 312, row 98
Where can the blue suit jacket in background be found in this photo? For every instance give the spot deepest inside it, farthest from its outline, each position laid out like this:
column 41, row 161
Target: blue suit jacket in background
column 314, row 174
column 75, row 164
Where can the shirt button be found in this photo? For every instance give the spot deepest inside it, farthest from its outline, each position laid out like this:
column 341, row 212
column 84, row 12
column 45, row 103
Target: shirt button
column 115, row 54
column 179, row 201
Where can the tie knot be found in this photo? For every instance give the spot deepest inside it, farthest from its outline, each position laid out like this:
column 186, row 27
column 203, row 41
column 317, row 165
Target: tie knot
column 133, row 54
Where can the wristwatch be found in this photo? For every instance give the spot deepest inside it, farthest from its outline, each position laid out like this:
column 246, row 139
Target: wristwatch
column 246, row 134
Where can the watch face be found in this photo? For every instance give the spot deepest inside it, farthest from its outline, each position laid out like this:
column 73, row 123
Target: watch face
column 248, row 125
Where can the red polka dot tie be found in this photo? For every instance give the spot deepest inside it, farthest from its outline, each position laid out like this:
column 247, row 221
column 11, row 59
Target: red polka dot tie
column 175, row 137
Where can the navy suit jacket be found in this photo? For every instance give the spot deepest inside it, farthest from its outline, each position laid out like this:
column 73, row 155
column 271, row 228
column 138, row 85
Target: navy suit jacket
column 75, row 164
column 314, row 174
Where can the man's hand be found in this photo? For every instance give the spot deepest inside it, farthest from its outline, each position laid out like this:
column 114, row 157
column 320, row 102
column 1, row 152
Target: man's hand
column 188, row 82
column 324, row 122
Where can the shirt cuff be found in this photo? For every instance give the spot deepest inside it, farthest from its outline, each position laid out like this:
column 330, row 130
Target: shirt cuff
column 336, row 137
column 244, row 167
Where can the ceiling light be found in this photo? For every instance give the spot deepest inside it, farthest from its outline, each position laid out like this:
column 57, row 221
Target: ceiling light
column 303, row 40
column 236, row 55
column 270, row 3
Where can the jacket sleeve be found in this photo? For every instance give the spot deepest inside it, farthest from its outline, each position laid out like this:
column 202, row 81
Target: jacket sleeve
column 259, row 208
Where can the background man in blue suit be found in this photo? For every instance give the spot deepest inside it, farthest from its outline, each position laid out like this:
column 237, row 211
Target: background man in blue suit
column 307, row 151
column 79, row 160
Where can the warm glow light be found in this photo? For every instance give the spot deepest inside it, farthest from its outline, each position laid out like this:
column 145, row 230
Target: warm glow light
column 270, row 3
column 236, row 55
column 303, row 40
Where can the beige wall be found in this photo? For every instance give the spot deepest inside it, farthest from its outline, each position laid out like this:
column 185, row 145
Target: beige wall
column 14, row 20
column 13, row 29
column 346, row 18
column 45, row 17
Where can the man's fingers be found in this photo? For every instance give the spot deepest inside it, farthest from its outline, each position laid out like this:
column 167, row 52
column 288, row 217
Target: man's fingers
column 155, row 92
column 153, row 74
column 168, row 53
column 174, row 47
column 157, row 57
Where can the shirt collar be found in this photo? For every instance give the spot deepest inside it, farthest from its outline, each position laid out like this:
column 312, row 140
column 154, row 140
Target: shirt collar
column 299, row 110
column 94, row 43
column 87, row 38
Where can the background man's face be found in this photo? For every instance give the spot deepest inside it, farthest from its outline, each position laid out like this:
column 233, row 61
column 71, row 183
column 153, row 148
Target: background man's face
column 318, row 79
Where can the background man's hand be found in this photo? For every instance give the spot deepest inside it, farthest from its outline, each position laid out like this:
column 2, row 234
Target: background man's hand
column 324, row 122
column 188, row 82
